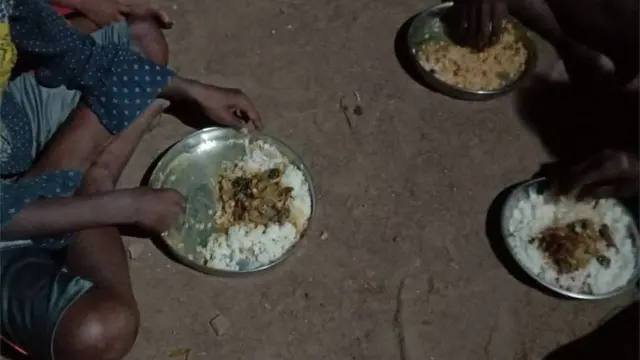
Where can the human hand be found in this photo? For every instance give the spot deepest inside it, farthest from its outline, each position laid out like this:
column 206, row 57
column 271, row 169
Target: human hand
column 226, row 106
column 609, row 174
column 478, row 23
column 154, row 210
column 105, row 12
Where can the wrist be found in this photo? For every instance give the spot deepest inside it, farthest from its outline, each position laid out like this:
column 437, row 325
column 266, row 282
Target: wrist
column 180, row 90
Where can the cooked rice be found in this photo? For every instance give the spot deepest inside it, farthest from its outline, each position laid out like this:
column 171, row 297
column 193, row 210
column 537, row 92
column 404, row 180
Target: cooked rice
column 489, row 69
column 249, row 246
column 538, row 212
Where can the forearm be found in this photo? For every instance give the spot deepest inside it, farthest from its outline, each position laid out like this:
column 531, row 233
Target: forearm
column 54, row 216
column 179, row 90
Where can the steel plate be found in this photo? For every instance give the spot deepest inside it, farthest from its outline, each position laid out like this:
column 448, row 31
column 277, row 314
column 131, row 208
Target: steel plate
column 193, row 167
column 541, row 186
column 422, row 29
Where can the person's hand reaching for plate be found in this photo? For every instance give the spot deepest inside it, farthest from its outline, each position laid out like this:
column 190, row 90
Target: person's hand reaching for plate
column 155, row 210
column 612, row 174
column 478, row 23
column 226, row 106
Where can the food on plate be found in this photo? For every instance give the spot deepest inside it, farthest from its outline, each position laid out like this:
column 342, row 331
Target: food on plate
column 258, row 198
column 263, row 206
column 572, row 246
column 581, row 246
column 467, row 68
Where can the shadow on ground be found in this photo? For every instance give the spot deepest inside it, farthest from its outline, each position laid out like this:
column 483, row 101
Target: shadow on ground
column 574, row 125
column 618, row 338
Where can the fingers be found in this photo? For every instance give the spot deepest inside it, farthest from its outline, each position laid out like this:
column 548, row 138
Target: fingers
column 471, row 28
column 571, row 180
column 248, row 109
column 603, row 176
column 498, row 14
column 158, row 15
column 479, row 24
column 146, row 9
column 161, row 17
column 241, row 111
column 618, row 188
column 484, row 25
column 459, row 19
column 176, row 197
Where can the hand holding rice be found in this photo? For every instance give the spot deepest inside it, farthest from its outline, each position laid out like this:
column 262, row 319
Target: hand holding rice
column 467, row 68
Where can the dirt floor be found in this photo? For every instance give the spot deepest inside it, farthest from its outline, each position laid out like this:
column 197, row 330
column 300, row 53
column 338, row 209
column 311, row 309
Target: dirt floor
column 407, row 271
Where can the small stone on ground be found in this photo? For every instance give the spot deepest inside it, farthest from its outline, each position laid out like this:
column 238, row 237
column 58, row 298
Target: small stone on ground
column 220, row 325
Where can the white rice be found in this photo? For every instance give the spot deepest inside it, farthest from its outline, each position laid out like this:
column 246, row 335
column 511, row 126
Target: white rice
column 250, row 246
column 537, row 212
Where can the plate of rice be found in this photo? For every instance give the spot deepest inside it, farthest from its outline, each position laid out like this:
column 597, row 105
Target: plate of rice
column 465, row 73
column 581, row 249
column 250, row 200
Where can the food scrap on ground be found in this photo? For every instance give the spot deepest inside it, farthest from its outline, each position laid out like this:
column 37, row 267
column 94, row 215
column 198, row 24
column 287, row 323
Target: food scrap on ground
column 356, row 110
column 220, row 325
column 135, row 249
column 182, row 353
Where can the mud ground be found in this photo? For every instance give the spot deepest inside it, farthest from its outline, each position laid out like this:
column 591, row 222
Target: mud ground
column 406, row 270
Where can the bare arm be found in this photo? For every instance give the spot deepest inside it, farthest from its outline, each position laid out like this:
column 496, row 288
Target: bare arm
column 52, row 216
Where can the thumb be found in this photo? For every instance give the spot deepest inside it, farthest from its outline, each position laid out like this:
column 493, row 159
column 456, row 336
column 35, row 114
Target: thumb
column 161, row 17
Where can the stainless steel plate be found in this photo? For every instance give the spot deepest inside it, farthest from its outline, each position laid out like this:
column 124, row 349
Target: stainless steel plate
column 422, row 29
column 193, row 166
column 541, row 186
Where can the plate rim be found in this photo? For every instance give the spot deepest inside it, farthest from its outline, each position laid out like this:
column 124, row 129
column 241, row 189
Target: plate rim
column 461, row 93
column 576, row 295
column 302, row 166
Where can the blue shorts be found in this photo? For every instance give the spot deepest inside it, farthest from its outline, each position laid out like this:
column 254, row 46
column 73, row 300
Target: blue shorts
column 35, row 287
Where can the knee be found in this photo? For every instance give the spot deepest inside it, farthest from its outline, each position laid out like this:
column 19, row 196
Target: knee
column 148, row 38
column 83, row 24
column 106, row 331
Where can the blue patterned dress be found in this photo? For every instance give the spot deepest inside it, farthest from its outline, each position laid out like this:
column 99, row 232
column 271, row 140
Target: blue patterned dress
column 116, row 82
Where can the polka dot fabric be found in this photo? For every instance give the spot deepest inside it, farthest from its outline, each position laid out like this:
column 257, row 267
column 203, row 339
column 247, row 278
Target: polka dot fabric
column 17, row 137
column 116, row 82
column 15, row 196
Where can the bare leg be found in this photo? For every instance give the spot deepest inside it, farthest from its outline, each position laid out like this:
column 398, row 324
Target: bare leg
column 145, row 35
column 103, row 323
column 578, row 30
column 581, row 64
column 607, row 26
column 537, row 16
